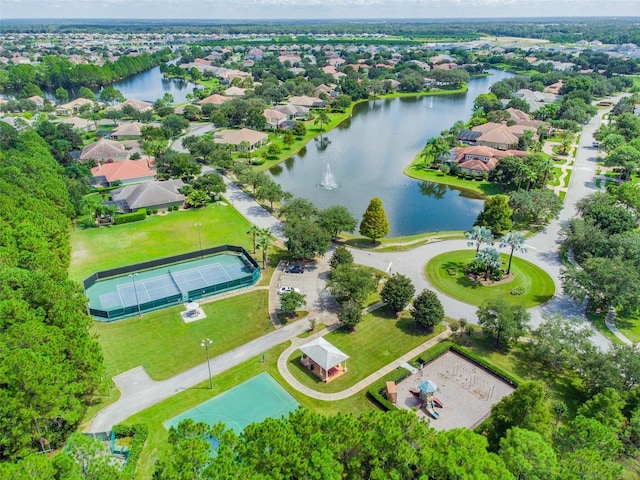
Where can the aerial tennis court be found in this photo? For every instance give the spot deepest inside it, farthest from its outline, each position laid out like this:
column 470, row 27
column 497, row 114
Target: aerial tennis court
column 140, row 289
column 252, row 401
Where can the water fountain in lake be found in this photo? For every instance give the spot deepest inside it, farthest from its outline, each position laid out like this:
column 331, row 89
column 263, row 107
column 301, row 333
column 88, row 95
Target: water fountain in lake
column 328, row 181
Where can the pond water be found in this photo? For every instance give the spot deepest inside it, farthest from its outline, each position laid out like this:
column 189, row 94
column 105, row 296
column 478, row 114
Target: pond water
column 150, row 86
column 366, row 154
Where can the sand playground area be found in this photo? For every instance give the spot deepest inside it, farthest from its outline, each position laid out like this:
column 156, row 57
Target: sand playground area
column 466, row 390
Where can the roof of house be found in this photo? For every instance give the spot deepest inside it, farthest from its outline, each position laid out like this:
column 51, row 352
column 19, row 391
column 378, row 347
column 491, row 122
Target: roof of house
column 137, row 104
column 323, row 353
column 274, row 115
column 77, row 122
column 306, row 101
column 479, row 165
column 130, row 129
column 236, row 137
column 235, row 91
column 76, row 103
column 291, row 109
column 215, row 99
column 124, row 170
column 501, row 135
column 149, row 194
column 103, row 148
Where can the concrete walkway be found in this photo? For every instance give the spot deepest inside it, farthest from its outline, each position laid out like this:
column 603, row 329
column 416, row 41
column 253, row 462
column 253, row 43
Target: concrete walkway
column 362, row 384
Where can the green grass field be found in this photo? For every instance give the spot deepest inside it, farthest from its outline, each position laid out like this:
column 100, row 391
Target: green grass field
column 162, row 343
column 96, row 249
column 446, row 272
column 378, row 340
column 475, row 188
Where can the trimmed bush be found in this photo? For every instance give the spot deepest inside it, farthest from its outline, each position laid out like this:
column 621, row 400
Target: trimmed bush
column 130, row 217
column 376, row 391
column 138, row 433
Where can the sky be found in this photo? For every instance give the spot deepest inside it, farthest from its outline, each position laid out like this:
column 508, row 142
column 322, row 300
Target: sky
column 311, row 9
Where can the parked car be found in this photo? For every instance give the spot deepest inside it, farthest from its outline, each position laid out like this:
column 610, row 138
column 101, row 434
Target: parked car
column 596, row 144
column 282, row 290
column 294, row 269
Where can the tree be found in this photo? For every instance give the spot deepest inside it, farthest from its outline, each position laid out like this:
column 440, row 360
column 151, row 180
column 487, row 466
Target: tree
column 254, row 231
column 337, row 219
column 536, row 206
column 340, row 256
column 607, row 214
column 349, row 315
column 496, row 214
column 172, row 164
column 211, row 183
column 434, row 149
column 299, row 129
column 274, row 150
column 264, row 242
column 374, row 224
column 606, row 282
column 270, row 191
column 490, row 261
column 527, row 455
column 92, row 458
column 503, row 321
column 427, row 310
column 190, row 451
column 515, row 243
column 397, row 292
column 352, row 282
column 305, row 239
column 624, row 156
column 288, row 138
column 291, row 301
column 197, row 199
column 87, row 93
column 174, row 125
column 62, row 95
column 525, row 408
column 110, row 95
column 321, row 119
column 477, row 236
column 299, row 209
column 114, row 115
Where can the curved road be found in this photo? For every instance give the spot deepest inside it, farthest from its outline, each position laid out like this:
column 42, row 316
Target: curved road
column 139, row 391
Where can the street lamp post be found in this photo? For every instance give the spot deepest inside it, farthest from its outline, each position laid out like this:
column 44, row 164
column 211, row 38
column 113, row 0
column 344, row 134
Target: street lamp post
column 135, row 290
column 198, row 225
column 205, row 343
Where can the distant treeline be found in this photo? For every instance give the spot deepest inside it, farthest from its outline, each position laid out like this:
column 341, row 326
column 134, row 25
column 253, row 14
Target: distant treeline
column 607, row 30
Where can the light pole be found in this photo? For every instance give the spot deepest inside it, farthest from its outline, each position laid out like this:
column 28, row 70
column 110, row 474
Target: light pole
column 205, row 343
column 198, row 225
column 135, row 290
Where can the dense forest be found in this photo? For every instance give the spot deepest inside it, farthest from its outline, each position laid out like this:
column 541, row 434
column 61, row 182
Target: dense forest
column 50, row 364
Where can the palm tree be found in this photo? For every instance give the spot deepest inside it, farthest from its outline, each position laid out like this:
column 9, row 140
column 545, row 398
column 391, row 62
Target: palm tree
column 478, row 236
column 321, row 119
column 514, row 241
column 490, row 258
column 547, row 167
column 264, row 242
column 254, row 230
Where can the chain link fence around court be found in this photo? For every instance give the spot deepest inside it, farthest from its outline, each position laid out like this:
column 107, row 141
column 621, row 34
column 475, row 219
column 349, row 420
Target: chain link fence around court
column 142, row 287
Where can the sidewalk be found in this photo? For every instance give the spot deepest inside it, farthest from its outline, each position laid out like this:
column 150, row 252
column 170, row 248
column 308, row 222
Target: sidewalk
column 362, row 384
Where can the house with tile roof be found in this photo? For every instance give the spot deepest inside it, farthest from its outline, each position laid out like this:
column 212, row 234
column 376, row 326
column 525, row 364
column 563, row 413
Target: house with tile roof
column 275, row 118
column 475, row 161
column 215, row 99
column 73, row 106
column 125, row 172
column 306, row 101
column 105, row 149
column 235, row 138
column 153, row 194
column 128, row 130
column 139, row 105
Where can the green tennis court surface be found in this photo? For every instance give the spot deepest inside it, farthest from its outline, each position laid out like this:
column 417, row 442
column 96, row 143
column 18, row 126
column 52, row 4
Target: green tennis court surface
column 252, row 401
column 121, row 296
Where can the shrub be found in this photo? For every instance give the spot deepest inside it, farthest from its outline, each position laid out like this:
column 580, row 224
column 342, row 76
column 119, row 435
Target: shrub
column 138, row 434
column 517, row 291
column 130, row 217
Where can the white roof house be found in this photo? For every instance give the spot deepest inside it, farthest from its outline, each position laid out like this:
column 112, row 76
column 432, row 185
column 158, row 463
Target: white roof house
column 324, row 355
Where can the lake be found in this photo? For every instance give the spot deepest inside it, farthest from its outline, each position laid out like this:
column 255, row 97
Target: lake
column 150, row 85
column 367, row 153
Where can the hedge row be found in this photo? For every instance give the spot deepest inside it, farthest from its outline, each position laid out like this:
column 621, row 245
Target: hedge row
column 138, row 433
column 130, row 217
column 376, row 391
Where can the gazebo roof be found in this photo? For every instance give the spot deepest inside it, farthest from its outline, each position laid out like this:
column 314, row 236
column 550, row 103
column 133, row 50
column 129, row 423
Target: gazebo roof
column 323, row 353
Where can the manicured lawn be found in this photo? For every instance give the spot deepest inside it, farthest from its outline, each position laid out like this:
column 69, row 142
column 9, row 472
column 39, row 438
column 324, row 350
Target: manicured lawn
column 379, row 339
column 629, row 325
column 154, row 416
column 96, row 249
column 476, row 188
column 162, row 343
column 446, row 272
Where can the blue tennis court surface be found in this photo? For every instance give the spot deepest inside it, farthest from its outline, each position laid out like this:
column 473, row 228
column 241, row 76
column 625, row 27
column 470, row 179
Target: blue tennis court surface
column 252, row 401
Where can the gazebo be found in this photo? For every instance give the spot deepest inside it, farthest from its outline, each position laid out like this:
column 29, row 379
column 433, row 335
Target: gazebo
column 323, row 359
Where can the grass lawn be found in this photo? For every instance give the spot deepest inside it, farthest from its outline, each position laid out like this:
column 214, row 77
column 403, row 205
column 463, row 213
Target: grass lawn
column 379, row 339
column 446, row 272
column 162, row 343
column 154, row 416
column 95, row 249
column 398, row 244
column 475, row 188
column 629, row 325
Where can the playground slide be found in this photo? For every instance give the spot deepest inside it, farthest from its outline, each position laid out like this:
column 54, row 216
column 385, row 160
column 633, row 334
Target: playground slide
column 438, row 403
column 431, row 410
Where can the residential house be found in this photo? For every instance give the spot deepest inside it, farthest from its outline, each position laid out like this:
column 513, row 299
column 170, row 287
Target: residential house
column 235, row 92
column 152, row 194
column 306, row 101
column 293, row 112
column 215, row 99
column 275, row 118
column 139, row 105
column 126, row 172
column 73, row 107
column 128, row 130
column 554, row 88
column 535, row 99
column 475, row 161
column 38, row 100
column 105, row 149
column 81, row 124
column 235, row 138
